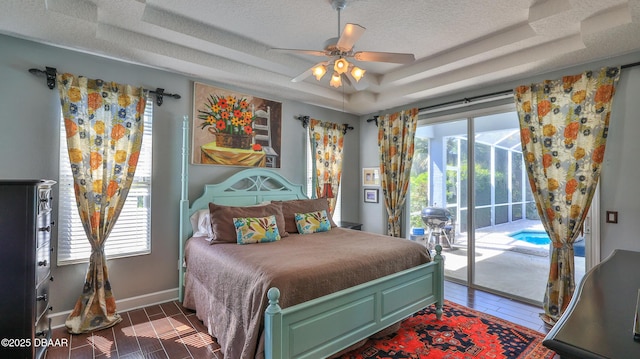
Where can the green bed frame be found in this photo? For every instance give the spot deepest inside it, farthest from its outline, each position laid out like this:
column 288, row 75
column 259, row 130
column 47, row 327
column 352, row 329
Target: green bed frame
column 325, row 325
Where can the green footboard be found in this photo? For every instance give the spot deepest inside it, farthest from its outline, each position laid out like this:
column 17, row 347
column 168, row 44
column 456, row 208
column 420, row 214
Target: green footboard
column 326, row 325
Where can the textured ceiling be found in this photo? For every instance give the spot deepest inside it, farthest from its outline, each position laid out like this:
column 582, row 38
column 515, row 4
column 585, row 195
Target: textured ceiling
column 458, row 45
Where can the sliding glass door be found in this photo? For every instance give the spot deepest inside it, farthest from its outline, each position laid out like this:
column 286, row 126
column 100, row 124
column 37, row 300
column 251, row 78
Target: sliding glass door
column 492, row 235
column 438, row 193
column 511, row 246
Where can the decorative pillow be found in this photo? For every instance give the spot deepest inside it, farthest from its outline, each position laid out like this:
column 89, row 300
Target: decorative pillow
column 312, row 222
column 290, row 208
column 201, row 223
column 256, row 230
column 223, row 228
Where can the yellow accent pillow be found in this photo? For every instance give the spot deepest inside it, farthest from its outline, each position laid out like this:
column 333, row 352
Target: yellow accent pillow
column 256, row 230
column 312, row 222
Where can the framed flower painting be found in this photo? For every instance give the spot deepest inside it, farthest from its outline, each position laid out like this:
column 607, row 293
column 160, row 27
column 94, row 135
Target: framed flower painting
column 234, row 129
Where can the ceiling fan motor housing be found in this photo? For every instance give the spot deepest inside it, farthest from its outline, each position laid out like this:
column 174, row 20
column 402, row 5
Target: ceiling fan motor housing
column 331, row 49
column 339, row 4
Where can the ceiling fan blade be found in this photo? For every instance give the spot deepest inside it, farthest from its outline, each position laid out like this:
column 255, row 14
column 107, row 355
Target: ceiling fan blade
column 358, row 85
column 308, row 72
column 350, row 34
column 302, row 76
column 302, row 52
column 392, row 57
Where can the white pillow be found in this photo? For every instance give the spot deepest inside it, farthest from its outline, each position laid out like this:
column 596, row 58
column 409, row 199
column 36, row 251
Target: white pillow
column 201, row 223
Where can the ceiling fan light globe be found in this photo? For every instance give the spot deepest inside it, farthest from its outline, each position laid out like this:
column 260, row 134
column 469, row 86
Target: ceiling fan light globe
column 357, row 73
column 336, row 81
column 319, row 71
column 341, row 65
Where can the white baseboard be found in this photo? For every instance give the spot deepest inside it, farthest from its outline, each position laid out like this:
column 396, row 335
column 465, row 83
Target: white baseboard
column 123, row 305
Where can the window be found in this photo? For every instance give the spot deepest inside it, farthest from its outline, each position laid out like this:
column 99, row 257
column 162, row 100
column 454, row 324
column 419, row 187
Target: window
column 132, row 233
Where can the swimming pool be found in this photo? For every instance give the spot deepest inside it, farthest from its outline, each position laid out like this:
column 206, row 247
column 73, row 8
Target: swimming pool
column 541, row 238
column 531, row 236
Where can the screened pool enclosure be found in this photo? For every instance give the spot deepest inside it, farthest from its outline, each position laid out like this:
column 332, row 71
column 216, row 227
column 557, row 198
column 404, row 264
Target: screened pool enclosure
column 439, row 176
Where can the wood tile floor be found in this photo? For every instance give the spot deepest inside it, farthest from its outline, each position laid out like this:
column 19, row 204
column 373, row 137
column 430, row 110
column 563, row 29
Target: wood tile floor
column 170, row 331
column 514, row 311
column 159, row 331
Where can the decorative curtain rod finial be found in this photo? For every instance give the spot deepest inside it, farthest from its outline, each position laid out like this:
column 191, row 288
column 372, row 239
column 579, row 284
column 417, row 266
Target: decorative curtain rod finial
column 304, row 119
column 345, row 128
column 159, row 92
column 375, row 118
column 49, row 73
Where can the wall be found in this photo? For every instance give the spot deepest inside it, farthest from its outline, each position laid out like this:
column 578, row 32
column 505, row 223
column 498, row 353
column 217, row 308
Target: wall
column 620, row 172
column 29, row 146
column 373, row 215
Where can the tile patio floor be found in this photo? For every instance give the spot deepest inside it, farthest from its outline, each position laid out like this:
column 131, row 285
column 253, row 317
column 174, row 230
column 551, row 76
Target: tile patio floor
column 504, row 264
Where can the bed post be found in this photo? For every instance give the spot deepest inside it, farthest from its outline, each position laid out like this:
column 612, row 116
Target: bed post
column 273, row 326
column 438, row 258
column 184, row 204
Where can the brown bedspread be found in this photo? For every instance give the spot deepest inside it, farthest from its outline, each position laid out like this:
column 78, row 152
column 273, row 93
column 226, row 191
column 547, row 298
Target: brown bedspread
column 227, row 283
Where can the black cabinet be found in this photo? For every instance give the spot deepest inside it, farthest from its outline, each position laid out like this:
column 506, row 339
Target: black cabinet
column 25, row 267
column 600, row 319
column 350, row 225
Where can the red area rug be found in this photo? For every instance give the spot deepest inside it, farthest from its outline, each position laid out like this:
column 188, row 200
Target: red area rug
column 462, row 333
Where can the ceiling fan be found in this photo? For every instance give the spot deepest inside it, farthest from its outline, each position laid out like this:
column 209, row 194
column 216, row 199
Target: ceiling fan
column 339, row 49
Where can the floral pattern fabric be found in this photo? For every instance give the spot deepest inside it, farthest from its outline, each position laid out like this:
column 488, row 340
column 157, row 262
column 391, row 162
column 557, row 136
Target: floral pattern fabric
column 327, row 143
column 256, row 230
column 227, row 114
column 104, row 128
column 396, row 134
column 563, row 128
column 312, row 222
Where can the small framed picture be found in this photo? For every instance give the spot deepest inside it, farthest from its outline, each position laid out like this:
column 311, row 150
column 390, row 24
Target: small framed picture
column 371, row 176
column 371, row 195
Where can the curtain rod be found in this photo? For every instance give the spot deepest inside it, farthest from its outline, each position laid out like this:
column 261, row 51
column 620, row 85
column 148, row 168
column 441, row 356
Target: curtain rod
column 305, row 122
column 467, row 100
column 50, row 75
column 493, row 94
column 461, row 102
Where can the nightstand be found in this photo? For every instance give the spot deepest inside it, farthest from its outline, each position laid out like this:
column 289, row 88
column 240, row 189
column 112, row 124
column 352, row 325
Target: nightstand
column 350, row 225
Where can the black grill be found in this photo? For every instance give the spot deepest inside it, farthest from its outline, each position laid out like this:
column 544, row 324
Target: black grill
column 434, row 217
column 439, row 222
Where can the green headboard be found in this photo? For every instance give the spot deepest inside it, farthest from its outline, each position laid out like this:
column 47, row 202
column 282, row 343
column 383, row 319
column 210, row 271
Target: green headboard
column 247, row 187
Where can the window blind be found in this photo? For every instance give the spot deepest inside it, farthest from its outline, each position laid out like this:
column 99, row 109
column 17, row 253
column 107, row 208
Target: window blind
column 131, row 234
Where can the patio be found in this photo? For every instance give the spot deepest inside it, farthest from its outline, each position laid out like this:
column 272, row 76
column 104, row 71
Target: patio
column 505, row 264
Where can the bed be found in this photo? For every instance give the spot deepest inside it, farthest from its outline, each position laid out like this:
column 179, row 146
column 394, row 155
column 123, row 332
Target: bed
column 260, row 301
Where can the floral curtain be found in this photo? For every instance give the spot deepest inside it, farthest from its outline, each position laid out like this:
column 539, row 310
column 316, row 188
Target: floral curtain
column 327, row 142
column 104, row 127
column 563, row 128
column 396, row 133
